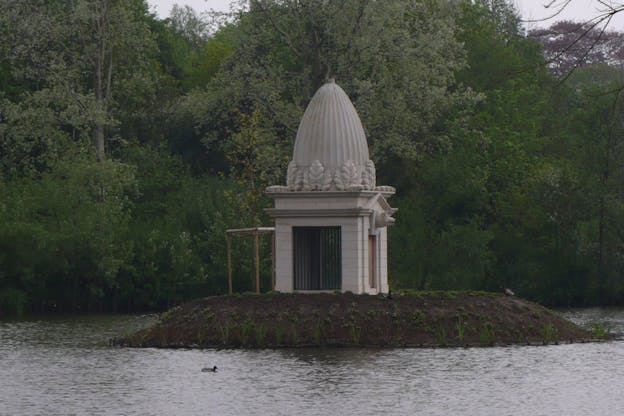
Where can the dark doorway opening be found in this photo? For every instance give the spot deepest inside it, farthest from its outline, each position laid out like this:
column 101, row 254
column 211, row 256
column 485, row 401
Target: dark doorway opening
column 317, row 258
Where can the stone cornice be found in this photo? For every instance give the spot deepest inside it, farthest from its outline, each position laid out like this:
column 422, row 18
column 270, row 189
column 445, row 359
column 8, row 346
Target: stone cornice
column 332, row 212
column 278, row 192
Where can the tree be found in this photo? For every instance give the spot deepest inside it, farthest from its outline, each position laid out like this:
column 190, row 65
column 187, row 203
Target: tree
column 62, row 237
column 569, row 45
column 82, row 83
column 84, row 61
column 396, row 61
column 598, row 131
column 463, row 211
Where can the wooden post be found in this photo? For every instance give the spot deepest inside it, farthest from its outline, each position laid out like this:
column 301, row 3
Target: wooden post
column 229, row 259
column 257, row 255
column 273, row 260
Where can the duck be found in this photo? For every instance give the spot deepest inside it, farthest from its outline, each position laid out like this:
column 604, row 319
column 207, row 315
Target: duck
column 209, row 370
column 509, row 292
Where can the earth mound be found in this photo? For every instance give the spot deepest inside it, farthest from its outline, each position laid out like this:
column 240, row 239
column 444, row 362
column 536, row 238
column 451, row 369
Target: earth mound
column 421, row 319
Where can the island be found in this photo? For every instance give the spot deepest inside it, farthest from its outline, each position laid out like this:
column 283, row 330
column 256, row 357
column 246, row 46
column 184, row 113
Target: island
column 417, row 319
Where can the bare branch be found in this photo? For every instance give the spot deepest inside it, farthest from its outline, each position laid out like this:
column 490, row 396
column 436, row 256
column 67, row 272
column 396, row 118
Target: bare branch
column 560, row 9
column 592, row 46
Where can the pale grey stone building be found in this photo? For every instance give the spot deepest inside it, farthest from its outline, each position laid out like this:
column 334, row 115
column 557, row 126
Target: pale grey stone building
column 331, row 219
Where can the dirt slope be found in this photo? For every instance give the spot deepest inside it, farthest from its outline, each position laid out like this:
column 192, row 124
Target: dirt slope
column 300, row 320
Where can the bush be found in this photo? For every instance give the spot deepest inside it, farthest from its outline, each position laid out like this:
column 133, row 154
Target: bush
column 12, row 302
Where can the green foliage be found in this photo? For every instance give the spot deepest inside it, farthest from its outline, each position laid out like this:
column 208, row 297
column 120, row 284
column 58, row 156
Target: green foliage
column 441, row 337
column 260, row 332
column 460, row 325
column 12, row 302
column 63, row 235
column 355, row 332
column 486, row 336
column 600, row 330
column 255, row 164
column 123, row 162
column 279, row 333
column 33, row 134
column 318, row 332
column 549, row 333
column 89, row 64
column 206, row 61
column 178, row 233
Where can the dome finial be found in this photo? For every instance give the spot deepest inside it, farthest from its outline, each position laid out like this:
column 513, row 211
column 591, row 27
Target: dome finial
column 330, row 151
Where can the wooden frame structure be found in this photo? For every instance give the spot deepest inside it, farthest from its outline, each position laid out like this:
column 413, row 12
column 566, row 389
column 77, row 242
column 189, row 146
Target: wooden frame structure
column 255, row 232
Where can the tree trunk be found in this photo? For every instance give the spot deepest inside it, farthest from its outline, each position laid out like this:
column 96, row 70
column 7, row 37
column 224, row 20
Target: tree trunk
column 99, row 142
column 103, row 74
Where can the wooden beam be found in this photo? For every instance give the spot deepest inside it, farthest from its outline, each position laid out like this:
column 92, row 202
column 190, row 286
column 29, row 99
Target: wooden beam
column 229, row 259
column 257, row 255
column 250, row 231
column 256, row 232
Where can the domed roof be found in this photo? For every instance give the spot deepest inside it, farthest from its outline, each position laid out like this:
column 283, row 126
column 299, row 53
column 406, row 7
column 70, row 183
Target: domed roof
column 330, row 152
column 330, row 131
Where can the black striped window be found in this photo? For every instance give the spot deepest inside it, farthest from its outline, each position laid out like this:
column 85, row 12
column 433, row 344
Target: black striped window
column 317, row 258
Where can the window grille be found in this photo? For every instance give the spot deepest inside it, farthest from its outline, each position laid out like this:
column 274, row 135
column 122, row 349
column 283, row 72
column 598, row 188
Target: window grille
column 317, row 258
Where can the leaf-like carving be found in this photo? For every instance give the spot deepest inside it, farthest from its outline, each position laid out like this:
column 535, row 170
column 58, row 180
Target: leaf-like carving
column 305, row 181
column 315, row 176
column 291, row 176
column 368, row 175
column 339, row 181
column 349, row 175
column 328, row 178
column 300, row 180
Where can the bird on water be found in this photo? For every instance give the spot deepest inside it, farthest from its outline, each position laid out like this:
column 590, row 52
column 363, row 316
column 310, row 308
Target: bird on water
column 209, row 370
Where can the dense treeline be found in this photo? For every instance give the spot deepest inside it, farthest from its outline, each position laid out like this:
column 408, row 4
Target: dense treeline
column 128, row 144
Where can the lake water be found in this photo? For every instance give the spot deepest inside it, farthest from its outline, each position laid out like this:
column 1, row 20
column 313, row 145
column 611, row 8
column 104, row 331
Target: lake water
column 65, row 366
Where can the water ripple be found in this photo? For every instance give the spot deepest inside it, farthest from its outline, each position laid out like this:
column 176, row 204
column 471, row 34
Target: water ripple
column 64, row 366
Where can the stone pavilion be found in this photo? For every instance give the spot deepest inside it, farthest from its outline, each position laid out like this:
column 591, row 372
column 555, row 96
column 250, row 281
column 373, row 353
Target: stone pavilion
column 331, row 218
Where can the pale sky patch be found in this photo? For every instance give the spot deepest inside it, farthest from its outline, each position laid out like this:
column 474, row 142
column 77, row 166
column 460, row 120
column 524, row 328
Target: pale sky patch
column 163, row 7
column 577, row 10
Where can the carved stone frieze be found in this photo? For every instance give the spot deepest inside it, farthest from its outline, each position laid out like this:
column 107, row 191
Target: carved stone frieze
column 368, row 175
column 328, row 180
column 291, row 176
column 314, row 179
column 349, row 177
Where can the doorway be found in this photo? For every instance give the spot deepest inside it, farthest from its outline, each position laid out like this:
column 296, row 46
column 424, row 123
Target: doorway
column 317, row 258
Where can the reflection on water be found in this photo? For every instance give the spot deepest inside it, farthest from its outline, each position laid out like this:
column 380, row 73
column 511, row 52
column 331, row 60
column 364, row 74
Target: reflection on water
column 64, row 366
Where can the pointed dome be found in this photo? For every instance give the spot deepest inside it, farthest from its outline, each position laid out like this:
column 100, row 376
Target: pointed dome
column 330, row 131
column 331, row 153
